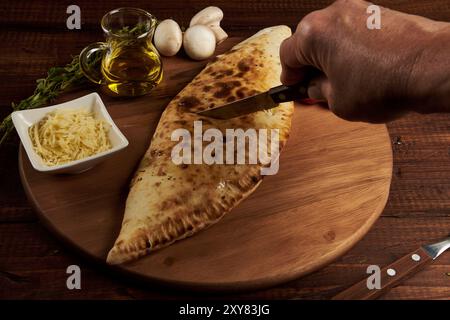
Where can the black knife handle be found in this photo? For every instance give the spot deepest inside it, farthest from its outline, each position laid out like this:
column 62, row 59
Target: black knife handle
column 288, row 93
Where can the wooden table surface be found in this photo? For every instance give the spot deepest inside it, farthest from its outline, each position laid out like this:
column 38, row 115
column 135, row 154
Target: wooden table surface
column 34, row 37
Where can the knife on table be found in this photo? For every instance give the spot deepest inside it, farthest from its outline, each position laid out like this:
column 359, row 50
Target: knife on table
column 394, row 273
column 261, row 101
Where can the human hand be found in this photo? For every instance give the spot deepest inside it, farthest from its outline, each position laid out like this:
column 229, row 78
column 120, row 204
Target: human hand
column 370, row 75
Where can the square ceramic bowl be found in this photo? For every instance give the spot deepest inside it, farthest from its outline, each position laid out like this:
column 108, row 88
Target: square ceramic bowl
column 26, row 118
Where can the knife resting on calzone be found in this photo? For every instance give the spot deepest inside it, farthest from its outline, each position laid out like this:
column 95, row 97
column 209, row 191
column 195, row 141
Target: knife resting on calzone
column 167, row 201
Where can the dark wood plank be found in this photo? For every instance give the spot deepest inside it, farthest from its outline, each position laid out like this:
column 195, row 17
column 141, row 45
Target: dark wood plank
column 240, row 16
column 27, row 55
column 420, row 184
column 33, row 41
column 49, row 261
column 14, row 206
column 417, row 211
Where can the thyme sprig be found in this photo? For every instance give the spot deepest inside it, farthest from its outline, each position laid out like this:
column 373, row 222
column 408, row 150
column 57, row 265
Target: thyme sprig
column 59, row 80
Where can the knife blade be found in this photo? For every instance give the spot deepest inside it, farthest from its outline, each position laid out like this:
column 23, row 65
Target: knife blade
column 261, row 101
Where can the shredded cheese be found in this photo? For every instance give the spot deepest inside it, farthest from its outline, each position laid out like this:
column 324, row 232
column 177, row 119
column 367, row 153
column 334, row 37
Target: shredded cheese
column 67, row 135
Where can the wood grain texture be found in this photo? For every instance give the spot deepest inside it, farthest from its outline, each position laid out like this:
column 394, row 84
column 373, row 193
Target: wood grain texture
column 240, row 16
column 33, row 262
column 390, row 275
column 333, row 184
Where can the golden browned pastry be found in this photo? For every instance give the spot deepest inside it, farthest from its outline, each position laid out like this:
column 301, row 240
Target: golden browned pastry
column 169, row 202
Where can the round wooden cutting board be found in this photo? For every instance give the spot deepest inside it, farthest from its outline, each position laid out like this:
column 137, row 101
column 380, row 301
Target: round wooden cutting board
column 332, row 185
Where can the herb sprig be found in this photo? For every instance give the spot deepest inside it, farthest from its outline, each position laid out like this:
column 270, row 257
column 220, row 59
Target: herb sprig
column 59, row 80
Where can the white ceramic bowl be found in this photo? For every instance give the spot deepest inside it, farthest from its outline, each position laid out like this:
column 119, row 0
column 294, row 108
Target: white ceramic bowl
column 26, row 118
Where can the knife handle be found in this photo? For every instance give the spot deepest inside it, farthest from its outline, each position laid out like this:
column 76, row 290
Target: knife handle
column 390, row 276
column 289, row 93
